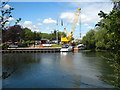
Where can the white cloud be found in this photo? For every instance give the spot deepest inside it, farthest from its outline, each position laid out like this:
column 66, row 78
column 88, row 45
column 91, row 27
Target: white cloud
column 68, row 16
column 78, row 24
column 39, row 24
column 27, row 23
column 76, row 35
column 82, row 35
column 48, row 27
column 11, row 19
column 6, row 6
column 89, row 27
column 90, row 10
column 86, row 18
column 38, row 19
column 30, row 25
column 85, row 24
column 49, row 21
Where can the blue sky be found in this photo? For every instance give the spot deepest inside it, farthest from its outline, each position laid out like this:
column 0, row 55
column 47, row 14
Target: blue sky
column 42, row 16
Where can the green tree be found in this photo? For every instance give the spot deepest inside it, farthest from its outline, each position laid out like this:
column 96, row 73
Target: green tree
column 109, row 35
column 38, row 36
column 5, row 15
column 61, row 34
column 13, row 33
column 28, row 34
column 101, row 39
column 111, row 25
column 89, row 40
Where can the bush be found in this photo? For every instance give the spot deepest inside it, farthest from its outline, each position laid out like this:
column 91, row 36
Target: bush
column 55, row 45
column 22, row 45
column 5, row 46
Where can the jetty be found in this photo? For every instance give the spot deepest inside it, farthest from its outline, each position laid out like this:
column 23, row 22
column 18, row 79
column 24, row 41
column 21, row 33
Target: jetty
column 31, row 50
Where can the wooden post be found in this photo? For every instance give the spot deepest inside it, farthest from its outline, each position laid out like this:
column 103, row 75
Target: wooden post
column 75, row 49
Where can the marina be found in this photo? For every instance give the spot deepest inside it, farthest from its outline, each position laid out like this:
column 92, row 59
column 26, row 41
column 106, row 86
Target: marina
column 31, row 50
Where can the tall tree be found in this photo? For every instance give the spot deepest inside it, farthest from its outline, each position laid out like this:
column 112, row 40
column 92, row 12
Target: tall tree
column 110, row 27
column 14, row 33
column 89, row 39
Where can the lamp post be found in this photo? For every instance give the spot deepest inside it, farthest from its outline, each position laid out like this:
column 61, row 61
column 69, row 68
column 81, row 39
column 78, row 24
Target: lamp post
column 34, row 37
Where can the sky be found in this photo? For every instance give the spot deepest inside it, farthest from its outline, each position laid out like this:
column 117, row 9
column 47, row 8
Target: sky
column 44, row 16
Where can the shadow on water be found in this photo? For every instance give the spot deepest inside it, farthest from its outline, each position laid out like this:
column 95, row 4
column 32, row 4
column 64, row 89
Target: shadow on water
column 112, row 78
column 85, row 65
column 14, row 62
column 111, row 75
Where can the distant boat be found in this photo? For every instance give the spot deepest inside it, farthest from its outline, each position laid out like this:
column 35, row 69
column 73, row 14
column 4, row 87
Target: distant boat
column 81, row 46
column 66, row 48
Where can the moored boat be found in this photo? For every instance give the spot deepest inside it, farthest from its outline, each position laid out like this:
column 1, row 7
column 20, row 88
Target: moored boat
column 66, row 48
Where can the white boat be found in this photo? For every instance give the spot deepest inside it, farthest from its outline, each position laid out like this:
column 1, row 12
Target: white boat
column 66, row 48
column 81, row 46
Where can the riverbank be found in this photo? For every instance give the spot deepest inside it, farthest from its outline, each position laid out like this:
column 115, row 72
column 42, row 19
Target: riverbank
column 96, row 50
column 31, row 50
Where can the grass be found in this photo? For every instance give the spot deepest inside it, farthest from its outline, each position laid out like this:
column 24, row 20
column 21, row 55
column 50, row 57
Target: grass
column 56, row 45
column 87, row 50
column 97, row 50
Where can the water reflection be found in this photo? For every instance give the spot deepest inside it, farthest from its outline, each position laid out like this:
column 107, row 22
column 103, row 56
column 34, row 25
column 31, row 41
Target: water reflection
column 57, row 70
column 13, row 62
column 63, row 53
column 67, row 62
column 112, row 78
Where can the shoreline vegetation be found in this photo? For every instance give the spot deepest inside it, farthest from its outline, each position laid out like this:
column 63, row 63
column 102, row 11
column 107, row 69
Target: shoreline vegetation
column 106, row 37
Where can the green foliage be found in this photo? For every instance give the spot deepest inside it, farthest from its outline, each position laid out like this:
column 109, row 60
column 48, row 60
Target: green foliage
column 47, row 36
column 112, row 78
column 107, row 37
column 16, row 33
column 53, row 36
column 89, row 39
column 107, row 32
column 13, row 33
column 4, row 46
column 28, row 34
column 110, row 27
column 73, row 44
column 101, row 39
column 56, row 45
column 29, row 42
column 77, row 43
column 22, row 45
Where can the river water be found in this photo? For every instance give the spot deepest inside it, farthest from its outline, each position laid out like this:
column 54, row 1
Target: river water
column 55, row 70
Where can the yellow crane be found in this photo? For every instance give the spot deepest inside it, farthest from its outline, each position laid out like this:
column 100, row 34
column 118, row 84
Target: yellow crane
column 69, row 37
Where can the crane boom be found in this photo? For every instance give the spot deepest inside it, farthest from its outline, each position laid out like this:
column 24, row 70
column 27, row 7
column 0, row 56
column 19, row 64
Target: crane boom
column 75, row 21
column 76, row 18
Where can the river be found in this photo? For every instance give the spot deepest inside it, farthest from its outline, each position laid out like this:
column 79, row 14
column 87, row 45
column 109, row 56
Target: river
column 55, row 70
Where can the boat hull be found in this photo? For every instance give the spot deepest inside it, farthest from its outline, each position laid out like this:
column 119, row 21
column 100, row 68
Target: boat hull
column 66, row 49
